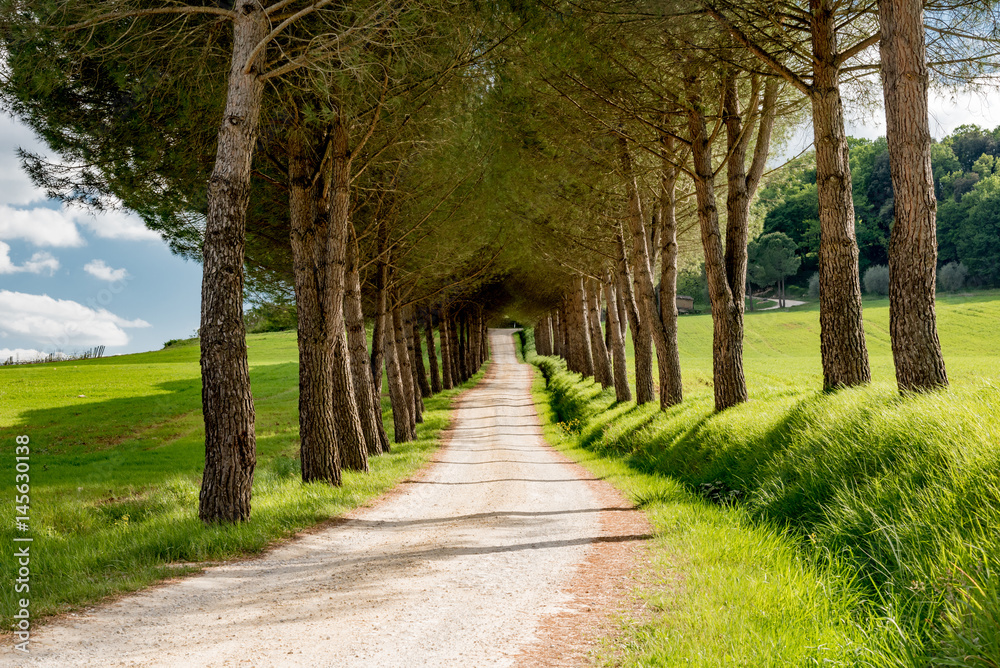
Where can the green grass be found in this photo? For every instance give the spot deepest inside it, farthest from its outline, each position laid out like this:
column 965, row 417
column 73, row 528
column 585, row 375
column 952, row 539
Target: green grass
column 891, row 505
column 115, row 473
column 781, row 348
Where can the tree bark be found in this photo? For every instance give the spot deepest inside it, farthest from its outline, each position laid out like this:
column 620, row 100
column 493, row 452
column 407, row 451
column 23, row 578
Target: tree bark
column 727, row 340
column 401, row 404
column 602, row 360
column 842, row 334
column 353, row 449
column 543, row 336
column 556, row 333
column 432, row 356
column 227, row 402
column 916, row 349
column 645, row 295
column 402, row 320
column 618, row 353
column 380, row 325
column 367, row 397
column 475, row 347
column 462, row 329
column 418, row 357
column 669, row 360
column 311, row 242
column 642, row 338
column 353, row 446
column 446, row 355
column 583, row 328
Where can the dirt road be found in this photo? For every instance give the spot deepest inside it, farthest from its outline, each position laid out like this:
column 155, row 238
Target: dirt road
column 460, row 567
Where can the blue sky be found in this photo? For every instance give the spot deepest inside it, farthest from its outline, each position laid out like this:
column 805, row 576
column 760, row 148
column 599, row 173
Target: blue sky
column 70, row 280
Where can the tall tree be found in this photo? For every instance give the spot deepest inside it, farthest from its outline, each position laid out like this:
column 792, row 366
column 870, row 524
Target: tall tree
column 916, row 349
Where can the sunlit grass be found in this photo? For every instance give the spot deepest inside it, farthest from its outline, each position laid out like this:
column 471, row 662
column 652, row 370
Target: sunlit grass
column 890, row 505
column 115, row 473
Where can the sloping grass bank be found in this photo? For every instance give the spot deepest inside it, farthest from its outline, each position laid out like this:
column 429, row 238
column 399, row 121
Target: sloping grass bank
column 117, row 450
column 851, row 528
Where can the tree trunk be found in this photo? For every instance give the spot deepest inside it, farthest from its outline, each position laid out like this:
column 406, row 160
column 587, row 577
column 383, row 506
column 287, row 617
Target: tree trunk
column 381, row 326
column 353, row 446
column 418, row 357
column 227, row 402
column 602, row 360
column 842, row 334
column 453, row 346
column 446, row 355
column 649, row 312
column 475, row 347
column 409, row 363
column 727, row 316
column 367, row 397
column 311, row 242
column 916, row 349
column 642, row 338
column 462, row 330
column 618, row 353
column 484, row 338
column 583, row 327
column 432, row 356
column 353, row 449
column 401, row 404
column 556, row 334
column 669, row 360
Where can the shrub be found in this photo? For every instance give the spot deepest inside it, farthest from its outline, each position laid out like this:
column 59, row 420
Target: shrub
column 814, row 286
column 275, row 317
column 877, row 280
column 951, row 277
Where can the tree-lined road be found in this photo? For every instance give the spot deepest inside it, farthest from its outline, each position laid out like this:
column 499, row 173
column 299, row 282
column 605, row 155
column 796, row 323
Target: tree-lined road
column 459, row 567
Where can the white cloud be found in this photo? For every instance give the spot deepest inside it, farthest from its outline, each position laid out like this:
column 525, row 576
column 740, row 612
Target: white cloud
column 38, row 263
column 100, row 269
column 40, row 226
column 116, row 224
column 62, row 323
column 26, row 355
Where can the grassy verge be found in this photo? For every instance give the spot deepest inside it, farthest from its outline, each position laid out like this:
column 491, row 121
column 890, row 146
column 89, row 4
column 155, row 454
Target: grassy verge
column 852, row 528
column 115, row 472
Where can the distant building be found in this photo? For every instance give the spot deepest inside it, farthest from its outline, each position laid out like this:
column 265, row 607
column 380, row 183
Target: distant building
column 685, row 304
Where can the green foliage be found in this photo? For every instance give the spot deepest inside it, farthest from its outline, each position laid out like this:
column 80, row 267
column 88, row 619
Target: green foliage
column 115, row 472
column 691, row 281
column 771, row 258
column 271, row 317
column 951, row 277
column 814, row 286
column 877, row 280
column 966, row 183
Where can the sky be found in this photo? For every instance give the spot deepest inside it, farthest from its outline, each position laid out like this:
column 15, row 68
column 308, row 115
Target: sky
column 71, row 280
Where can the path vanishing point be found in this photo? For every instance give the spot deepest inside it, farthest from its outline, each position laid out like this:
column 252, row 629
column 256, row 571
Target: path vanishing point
column 499, row 554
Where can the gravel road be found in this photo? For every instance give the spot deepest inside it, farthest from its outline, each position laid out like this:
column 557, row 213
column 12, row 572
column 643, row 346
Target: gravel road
column 460, row 566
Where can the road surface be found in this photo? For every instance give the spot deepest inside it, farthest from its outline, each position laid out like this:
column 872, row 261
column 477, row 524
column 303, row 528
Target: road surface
column 464, row 565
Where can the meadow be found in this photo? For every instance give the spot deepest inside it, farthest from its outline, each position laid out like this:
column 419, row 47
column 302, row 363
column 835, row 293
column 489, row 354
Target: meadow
column 117, row 449
column 854, row 527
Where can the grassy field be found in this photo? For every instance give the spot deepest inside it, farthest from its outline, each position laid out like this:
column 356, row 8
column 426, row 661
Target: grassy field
column 117, row 449
column 889, row 505
column 781, row 348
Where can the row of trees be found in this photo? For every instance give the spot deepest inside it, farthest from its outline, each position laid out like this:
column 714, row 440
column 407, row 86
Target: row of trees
column 386, row 163
column 675, row 107
column 329, row 178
